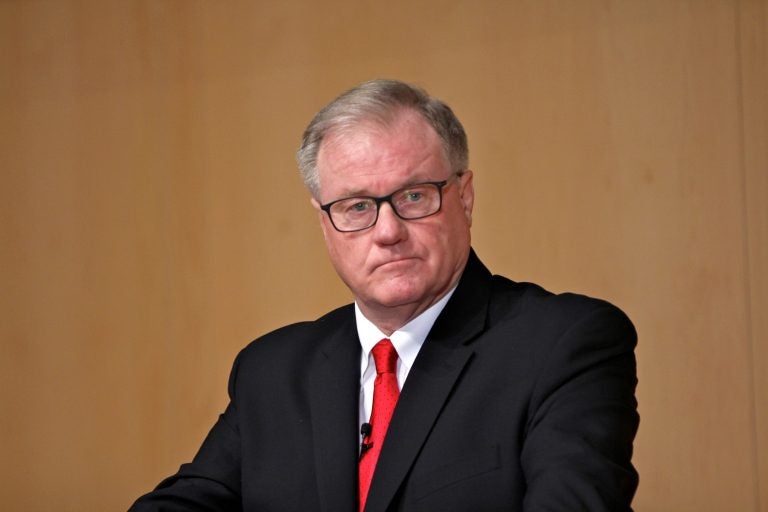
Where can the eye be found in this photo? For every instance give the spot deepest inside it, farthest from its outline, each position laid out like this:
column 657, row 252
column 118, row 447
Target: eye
column 357, row 206
column 414, row 195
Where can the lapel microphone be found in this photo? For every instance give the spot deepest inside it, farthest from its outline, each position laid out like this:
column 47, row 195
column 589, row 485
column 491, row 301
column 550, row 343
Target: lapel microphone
column 365, row 443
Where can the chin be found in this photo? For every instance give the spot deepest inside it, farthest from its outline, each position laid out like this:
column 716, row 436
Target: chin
column 399, row 297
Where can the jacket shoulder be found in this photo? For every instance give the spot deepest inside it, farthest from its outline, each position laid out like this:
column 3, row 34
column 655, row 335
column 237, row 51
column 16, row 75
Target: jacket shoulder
column 513, row 299
column 300, row 338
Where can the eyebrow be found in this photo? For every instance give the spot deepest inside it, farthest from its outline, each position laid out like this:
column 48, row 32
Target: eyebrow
column 361, row 193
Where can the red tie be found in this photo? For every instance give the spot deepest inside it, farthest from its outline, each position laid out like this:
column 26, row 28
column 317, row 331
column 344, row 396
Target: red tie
column 385, row 393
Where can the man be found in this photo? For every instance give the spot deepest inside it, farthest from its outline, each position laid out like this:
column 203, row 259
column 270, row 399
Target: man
column 474, row 393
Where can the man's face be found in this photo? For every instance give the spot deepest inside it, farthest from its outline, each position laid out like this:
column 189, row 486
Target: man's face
column 397, row 268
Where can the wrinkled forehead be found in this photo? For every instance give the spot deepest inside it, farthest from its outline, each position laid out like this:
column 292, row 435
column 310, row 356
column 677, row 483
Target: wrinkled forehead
column 354, row 136
column 402, row 151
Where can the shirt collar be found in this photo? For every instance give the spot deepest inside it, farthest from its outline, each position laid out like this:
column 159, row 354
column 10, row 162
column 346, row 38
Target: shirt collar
column 407, row 340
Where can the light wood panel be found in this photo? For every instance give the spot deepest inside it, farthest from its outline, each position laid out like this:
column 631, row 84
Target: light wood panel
column 753, row 58
column 152, row 221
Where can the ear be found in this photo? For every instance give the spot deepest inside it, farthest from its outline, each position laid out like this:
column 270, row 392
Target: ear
column 320, row 215
column 467, row 194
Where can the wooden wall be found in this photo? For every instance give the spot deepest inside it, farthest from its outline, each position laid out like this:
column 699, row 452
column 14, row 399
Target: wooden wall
column 152, row 221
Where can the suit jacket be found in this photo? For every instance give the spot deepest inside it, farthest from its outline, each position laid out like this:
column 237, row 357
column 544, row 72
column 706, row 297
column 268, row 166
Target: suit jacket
column 519, row 400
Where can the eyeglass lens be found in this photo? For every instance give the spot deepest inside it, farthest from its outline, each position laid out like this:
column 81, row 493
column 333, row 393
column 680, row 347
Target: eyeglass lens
column 412, row 202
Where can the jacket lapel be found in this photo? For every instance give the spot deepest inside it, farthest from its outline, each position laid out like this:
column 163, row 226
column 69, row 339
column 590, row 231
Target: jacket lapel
column 440, row 362
column 334, row 400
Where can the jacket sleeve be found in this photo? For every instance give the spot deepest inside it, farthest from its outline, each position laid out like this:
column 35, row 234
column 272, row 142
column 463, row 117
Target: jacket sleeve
column 583, row 419
column 211, row 482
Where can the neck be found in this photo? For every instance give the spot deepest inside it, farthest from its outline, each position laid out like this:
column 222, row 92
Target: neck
column 391, row 319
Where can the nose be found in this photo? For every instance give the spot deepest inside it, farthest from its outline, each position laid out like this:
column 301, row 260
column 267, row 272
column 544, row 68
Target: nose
column 389, row 228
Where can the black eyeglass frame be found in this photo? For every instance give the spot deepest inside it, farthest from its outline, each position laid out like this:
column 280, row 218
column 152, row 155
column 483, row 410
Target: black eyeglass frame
column 388, row 199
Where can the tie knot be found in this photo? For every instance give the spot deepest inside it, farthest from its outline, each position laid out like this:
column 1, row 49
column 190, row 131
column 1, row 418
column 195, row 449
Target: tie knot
column 385, row 357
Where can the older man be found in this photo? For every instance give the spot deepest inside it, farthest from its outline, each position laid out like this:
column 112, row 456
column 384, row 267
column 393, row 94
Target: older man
column 442, row 388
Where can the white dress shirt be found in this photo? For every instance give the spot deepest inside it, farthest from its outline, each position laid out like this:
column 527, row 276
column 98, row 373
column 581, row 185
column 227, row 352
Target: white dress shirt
column 407, row 341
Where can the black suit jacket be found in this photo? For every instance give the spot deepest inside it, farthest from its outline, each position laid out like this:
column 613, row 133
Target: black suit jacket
column 519, row 400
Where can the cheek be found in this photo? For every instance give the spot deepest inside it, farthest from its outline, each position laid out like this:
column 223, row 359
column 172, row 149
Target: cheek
column 336, row 251
column 345, row 254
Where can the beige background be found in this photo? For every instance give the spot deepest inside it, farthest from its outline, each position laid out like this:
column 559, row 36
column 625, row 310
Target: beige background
column 152, row 221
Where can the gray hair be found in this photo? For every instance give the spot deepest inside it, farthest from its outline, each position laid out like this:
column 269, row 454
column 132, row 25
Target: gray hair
column 380, row 101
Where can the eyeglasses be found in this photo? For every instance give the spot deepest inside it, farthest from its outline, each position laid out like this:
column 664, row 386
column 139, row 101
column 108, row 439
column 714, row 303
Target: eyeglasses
column 409, row 203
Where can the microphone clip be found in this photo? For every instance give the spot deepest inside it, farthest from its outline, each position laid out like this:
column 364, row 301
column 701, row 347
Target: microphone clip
column 366, row 443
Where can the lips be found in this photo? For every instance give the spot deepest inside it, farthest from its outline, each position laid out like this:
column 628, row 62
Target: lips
column 394, row 263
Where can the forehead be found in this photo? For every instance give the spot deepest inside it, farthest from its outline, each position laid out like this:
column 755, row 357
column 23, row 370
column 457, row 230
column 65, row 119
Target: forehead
column 374, row 158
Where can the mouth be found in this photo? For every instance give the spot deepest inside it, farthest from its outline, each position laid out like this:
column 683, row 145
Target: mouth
column 395, row 263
